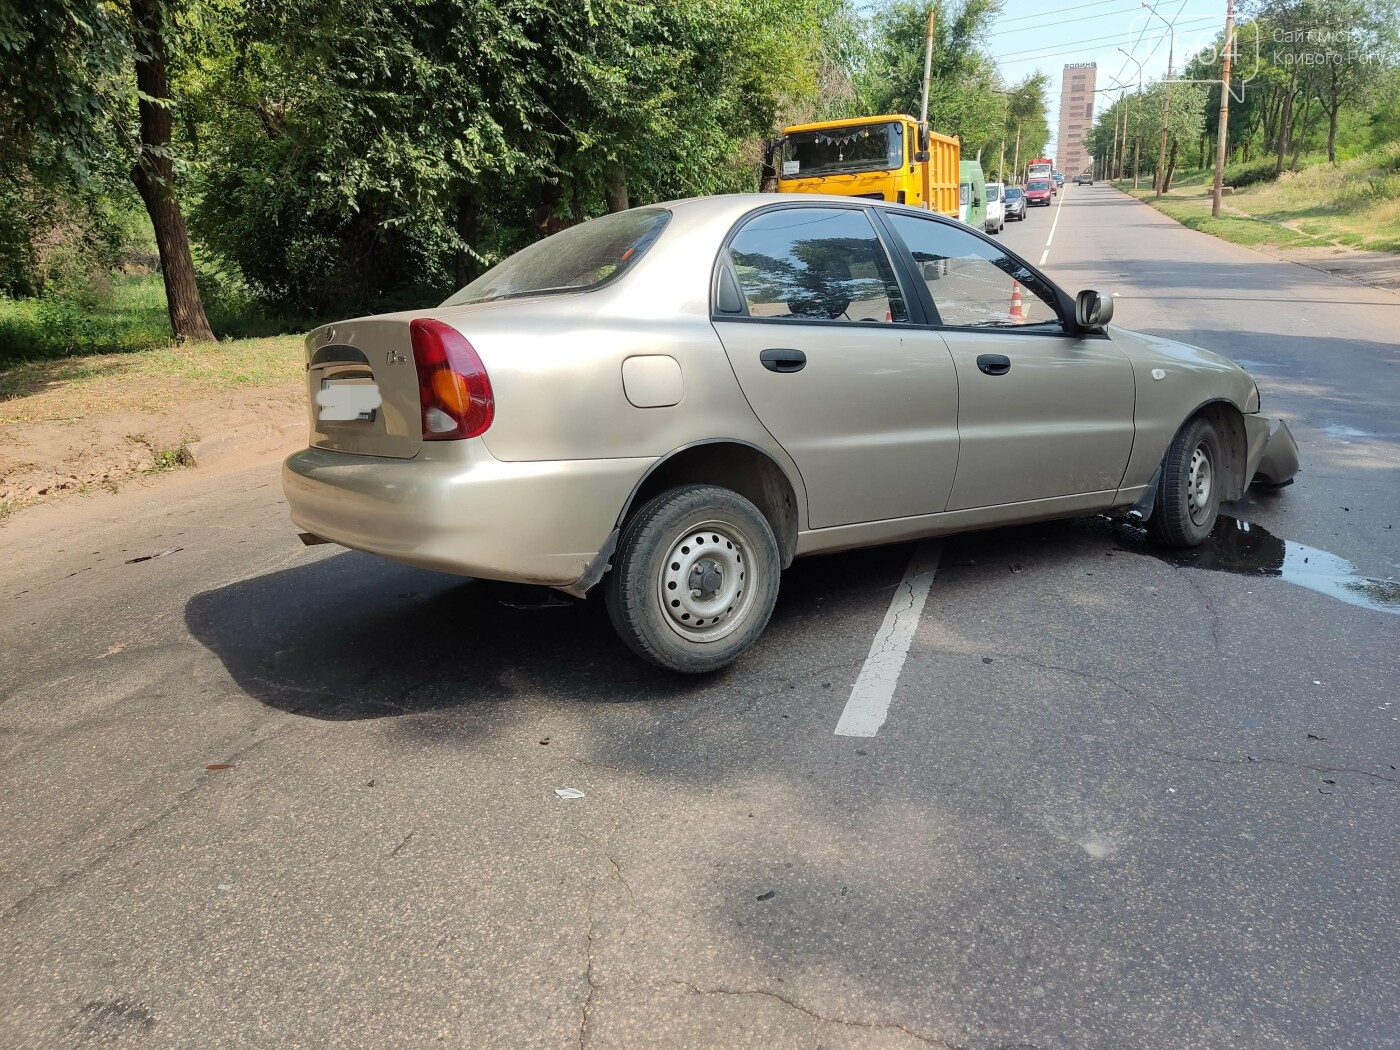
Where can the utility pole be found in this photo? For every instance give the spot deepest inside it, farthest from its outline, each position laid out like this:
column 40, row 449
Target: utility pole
column 1114, row 155
column 1159, row 178
column 1137, row 121
column 1016, row 164
column 926, row 145
column 1224, row 128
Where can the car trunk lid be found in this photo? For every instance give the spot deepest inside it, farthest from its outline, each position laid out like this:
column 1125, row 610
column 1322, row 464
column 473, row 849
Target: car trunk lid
column 363, row 388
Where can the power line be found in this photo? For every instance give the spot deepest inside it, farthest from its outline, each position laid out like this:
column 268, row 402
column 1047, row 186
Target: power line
column 1031, row 53
column 1067, row 21
column 1057, row 10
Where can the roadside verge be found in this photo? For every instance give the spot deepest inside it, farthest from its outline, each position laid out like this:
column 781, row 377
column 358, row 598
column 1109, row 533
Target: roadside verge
column 78, row 426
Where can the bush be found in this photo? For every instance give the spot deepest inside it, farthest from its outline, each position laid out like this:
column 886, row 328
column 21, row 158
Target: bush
column 1251, row 174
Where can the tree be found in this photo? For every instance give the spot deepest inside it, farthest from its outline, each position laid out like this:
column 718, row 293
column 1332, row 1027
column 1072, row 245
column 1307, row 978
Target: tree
column 69, row 71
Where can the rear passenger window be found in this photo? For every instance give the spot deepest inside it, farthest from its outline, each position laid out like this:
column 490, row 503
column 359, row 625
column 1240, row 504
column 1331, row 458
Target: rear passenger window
column 816, row 264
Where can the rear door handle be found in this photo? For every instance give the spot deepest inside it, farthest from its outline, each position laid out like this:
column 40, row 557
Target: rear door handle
column 783, row 359
column 994, row 364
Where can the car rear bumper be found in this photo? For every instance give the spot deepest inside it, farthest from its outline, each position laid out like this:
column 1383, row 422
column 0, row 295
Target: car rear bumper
column 459, row 510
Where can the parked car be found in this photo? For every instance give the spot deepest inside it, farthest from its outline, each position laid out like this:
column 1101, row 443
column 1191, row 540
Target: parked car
column 674, row 402
column 1039, row 191
column 996, row 207
column 1015, row 204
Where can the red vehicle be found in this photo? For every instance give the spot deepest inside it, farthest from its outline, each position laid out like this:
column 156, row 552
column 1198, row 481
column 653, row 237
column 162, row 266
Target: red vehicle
column 1039, row 191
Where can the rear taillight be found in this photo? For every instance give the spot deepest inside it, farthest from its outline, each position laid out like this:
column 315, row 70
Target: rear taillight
column 453, row 387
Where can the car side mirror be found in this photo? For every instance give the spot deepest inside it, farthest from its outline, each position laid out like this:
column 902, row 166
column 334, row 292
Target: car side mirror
column 977, row 202
column 1092, row 310
column 921, row 157
column 923, row 140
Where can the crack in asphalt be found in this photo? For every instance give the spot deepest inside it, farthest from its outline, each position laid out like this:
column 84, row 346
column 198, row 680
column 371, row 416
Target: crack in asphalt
column 110, row 852
column 1090, row 676
column 593, row 986
column 884, row 1026
column 1210, row 608
column 1250, row 760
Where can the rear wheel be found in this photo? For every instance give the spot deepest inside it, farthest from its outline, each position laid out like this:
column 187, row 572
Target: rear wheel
column 1188, row 490
column 695, row 578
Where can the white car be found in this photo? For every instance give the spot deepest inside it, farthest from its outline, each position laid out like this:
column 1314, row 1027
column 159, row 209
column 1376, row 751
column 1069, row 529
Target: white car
column 996, row 207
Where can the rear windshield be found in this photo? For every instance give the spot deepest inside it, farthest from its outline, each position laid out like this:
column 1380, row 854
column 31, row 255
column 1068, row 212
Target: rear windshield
column 573, row 260
column 1012, row 192
column 1039, row 184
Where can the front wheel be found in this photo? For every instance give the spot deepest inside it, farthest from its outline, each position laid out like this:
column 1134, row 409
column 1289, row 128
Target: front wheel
column 695, row 578
column 1188, row 490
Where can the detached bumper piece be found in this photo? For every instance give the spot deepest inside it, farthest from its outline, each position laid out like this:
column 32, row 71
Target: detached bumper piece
column 1279, row 463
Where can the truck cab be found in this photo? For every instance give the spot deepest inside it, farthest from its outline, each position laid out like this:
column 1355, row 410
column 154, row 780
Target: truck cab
column 878, row 157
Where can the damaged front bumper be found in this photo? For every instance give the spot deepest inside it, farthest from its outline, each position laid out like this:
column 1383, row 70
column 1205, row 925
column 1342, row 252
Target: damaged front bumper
column 1273, row 452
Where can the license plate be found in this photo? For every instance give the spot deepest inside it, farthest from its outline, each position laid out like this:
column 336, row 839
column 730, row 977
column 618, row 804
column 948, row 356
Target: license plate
column 345, row 400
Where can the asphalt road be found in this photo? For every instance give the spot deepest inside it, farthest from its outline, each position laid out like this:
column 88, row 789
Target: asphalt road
column 1117, row 802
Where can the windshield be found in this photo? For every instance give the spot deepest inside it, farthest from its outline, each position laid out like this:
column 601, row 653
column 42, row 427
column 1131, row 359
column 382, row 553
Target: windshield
column 993, row 193
column 1013, row 193
column 863, row 147
column 1038, row 184
column 581, row 257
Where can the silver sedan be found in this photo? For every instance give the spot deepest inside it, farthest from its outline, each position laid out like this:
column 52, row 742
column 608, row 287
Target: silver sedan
column 676, row 401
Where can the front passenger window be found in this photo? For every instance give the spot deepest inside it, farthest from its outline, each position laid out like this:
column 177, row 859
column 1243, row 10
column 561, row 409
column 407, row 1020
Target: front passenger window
column 816, row 264
column 974, row 284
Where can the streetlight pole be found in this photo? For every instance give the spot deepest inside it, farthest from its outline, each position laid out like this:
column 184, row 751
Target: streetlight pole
column 1224, row 128
column 1159, row 178
column 1137, row 120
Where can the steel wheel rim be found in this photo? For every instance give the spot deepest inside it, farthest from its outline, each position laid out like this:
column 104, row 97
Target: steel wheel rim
column 707, row 583
column 1199, row 480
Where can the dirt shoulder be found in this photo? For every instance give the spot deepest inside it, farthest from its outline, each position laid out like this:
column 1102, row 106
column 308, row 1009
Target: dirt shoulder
column 85, row 425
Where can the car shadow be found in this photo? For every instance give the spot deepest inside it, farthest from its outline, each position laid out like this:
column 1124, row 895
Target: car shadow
column 351, row 636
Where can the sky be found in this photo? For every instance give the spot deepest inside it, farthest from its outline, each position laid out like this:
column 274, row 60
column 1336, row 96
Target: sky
column 1049, row 34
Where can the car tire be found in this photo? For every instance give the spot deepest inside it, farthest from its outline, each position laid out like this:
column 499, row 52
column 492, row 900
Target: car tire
column 667, row 546
column 1188, row 488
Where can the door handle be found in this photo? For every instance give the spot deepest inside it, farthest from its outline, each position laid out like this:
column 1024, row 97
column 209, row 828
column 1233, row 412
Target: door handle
column 783, row 359
column 994, row 364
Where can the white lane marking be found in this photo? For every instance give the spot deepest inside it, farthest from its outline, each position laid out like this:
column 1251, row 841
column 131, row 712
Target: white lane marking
column 1051, row 239
column 869, row 702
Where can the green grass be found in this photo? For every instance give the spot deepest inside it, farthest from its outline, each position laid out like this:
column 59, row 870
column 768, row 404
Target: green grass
column 74, row 386
column 1355, row 204
column 1195, row 214
column 120, row 314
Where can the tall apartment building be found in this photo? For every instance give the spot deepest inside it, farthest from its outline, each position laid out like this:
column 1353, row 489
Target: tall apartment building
column 1076, row 117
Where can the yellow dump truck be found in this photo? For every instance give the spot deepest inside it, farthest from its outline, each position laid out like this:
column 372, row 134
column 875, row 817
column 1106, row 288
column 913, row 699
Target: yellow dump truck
column 884, row 157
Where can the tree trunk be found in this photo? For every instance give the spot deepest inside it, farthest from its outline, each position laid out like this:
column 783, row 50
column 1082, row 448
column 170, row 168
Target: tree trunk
column 1285, row 126
column 1301, row 140
column 468, row 214
column 154, row 176
column 1332, row 135
column 544, row 219
column 1171, row 168
column 615, row 188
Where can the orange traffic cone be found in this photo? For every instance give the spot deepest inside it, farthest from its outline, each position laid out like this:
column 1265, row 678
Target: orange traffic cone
column 1017, row 314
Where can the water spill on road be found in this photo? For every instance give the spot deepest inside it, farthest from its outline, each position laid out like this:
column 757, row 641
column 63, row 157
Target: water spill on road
column 1338, row 430
column 1247, row 549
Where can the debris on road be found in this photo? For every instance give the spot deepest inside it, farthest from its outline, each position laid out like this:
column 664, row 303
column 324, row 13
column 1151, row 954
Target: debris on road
column 767, row 896
column 218, row 767
column 567, row 793
column 153, row 557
